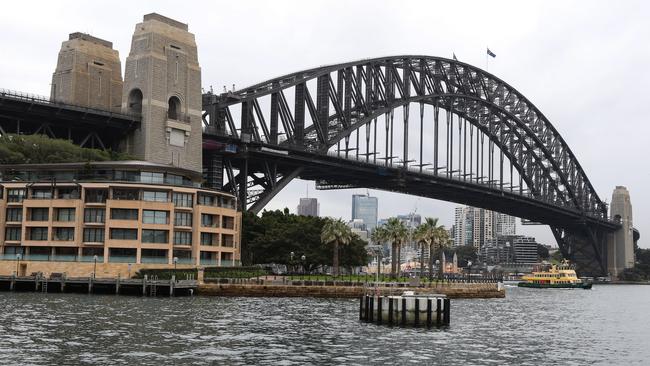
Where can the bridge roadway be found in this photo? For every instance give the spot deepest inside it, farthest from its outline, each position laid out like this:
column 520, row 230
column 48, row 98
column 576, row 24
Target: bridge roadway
column 332, row 172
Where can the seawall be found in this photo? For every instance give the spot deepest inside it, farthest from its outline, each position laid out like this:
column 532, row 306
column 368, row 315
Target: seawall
column 452, row 290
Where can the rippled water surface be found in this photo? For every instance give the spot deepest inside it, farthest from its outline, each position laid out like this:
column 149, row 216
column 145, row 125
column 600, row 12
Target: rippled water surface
column 609, row 325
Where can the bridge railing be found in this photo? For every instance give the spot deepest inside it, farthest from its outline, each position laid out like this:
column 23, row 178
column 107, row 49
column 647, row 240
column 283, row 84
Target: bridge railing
column 36, row 98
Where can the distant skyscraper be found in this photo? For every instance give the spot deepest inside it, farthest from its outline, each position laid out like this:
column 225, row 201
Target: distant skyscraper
column 308, row 207
column 475, row 226
column 364, row 207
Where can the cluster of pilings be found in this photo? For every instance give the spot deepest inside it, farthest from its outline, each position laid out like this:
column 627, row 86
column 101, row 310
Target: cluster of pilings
column 406, row 310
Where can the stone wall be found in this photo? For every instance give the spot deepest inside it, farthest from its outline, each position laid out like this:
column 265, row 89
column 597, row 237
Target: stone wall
column 453, row 291
column 78, row 269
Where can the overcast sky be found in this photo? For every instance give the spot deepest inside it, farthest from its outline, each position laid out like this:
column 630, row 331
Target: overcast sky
column 584, row 64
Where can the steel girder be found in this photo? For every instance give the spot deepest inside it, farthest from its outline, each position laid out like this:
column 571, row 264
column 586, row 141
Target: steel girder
column 349, row 96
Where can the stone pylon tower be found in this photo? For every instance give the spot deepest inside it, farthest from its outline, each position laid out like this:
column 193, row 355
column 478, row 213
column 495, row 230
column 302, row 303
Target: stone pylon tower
column 162, row 82
column 620, row 250
column 88, row 73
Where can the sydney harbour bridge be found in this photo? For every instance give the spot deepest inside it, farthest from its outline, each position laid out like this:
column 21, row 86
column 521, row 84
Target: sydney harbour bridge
column 419, row 125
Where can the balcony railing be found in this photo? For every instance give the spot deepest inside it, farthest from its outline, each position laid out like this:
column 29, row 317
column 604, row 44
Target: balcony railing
column 160, row 260
column 121, row 259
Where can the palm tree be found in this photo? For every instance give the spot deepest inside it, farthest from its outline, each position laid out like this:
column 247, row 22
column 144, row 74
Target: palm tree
column 378, row 236
column 421, row 236
column 434, row 235
column 396, row 233
column 338, row 233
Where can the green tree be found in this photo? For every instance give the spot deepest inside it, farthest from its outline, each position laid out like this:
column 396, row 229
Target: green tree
column 38, row 149
column 396, row 233
column 378, row 236
column 336, row 232
column 542, row 252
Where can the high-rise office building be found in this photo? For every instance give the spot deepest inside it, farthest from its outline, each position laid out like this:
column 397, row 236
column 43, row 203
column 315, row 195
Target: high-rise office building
column 364, row 207
column 475, row 226
column 308, row 207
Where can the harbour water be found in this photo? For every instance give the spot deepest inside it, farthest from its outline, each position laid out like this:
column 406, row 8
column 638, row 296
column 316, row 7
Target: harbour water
column 609, row 325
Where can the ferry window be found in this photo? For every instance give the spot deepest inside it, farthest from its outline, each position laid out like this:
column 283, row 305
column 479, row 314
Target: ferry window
column 155, row 236
column 15, row 195
column 124, row 234
column 94, row 215
column 155, row 217
column 94, row 235
column 124, row 214
column 14, row 214
column 155, row 196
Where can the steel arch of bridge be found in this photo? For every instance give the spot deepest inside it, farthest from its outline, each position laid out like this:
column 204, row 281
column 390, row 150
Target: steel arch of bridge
column 351, row 97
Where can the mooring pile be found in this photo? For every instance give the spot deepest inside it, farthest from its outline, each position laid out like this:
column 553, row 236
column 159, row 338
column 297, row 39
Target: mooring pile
column 406, row 310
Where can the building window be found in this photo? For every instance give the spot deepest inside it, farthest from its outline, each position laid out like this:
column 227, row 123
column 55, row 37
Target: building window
column 124, row 214
column 155, row 217
column 96, row 195
column 134, row 105
column 209, row 239
column 182, row 218
column 228, row 202
column 151, row 177
column 208, row 199
column 37, row 233
column 174, row 108
column 125, row 194
column 39, row 214
column 228, row 241
column 155, row 196
column 13, row 234
column 65, row 214
column 42, row 193
column 95, row 215
column 182, row 238
column 124, row 234
column 67, row 193
column 63, row 234
column 208, row 220
column 15, row 214
column 155, row 236
column 228, row 222
column 94, row 235
column 15, row 195
column 182, row 199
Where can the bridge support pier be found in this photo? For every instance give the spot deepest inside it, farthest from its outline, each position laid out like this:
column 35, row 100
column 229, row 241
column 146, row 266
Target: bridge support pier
column 620, row 244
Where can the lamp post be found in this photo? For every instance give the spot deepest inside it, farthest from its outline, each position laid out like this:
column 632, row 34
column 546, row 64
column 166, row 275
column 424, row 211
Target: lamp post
column 439, row 269
column 469, row 264
column 175, row 260
column 18, row 258
column 303, row 258
column 95, row 266
column 129, row 267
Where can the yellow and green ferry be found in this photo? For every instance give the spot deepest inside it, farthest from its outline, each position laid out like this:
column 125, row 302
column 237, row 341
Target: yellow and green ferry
column 557, row 276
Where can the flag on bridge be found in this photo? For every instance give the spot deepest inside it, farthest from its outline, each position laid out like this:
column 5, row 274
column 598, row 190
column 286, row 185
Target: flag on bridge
column 491, row 53
column 454, row 56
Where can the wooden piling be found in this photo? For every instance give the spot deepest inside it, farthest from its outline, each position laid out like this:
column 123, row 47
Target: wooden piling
column 438, row 312
column 447, row 312
column 416, row 317
column 403, row 311
column 390, row 311
column 380, row 301
column 372, row 306
column 361, row 308
column 365, row 316
column 429, row 313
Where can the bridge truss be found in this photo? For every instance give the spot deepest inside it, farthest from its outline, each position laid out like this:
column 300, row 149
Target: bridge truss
column 408, row 123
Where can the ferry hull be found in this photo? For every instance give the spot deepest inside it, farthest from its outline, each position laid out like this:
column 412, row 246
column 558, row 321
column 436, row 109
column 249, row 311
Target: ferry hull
column 585, row 286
